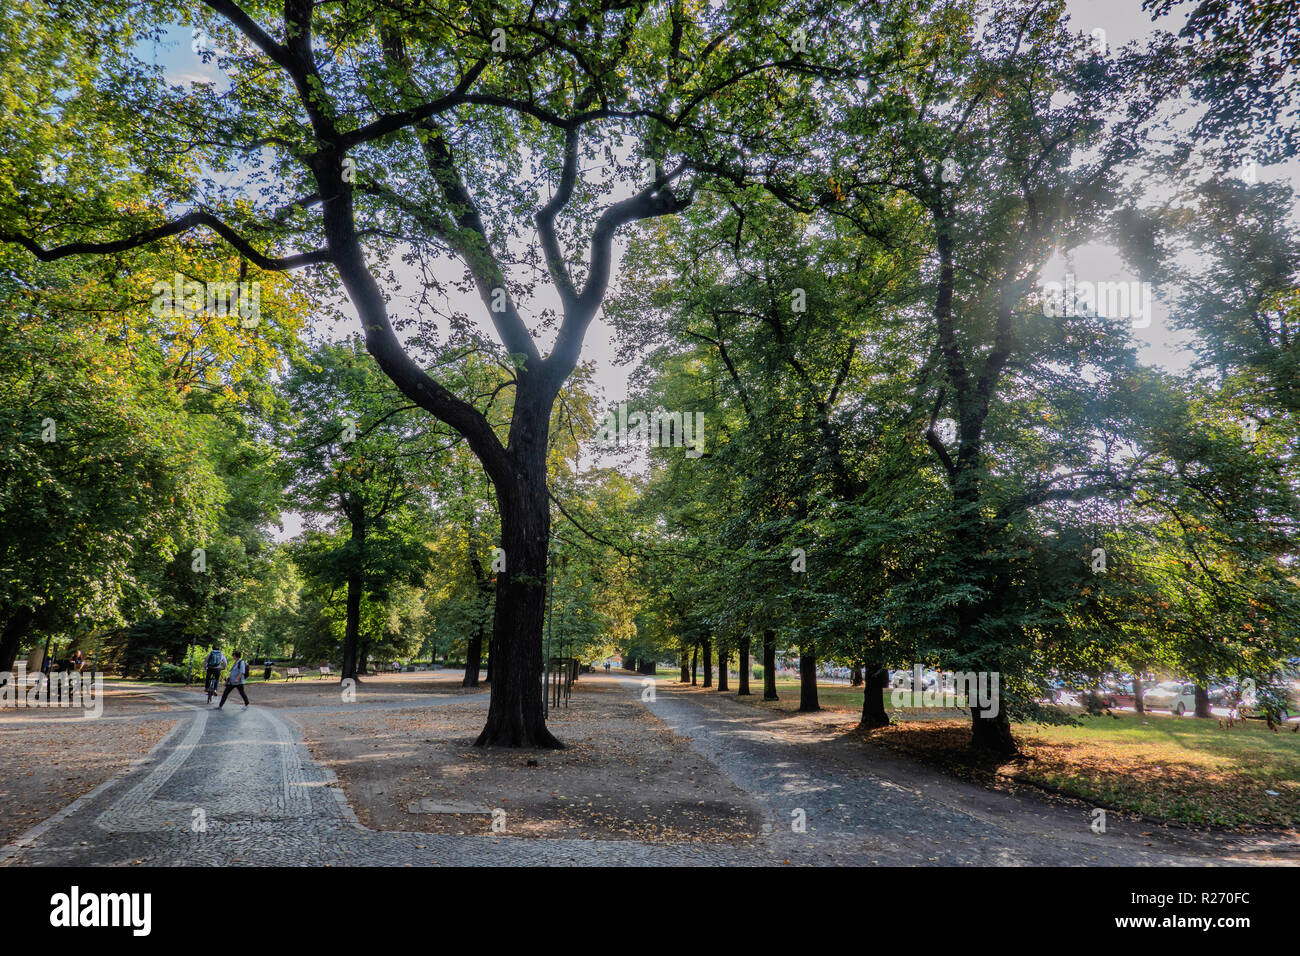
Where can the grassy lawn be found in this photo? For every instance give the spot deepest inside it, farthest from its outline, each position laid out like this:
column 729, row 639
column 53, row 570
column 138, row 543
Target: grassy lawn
column 1183, row 770
column 829, row 696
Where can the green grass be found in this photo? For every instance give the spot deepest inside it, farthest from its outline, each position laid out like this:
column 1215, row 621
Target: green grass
column 1185, row 769
column 829, row 696
column 1178, row 769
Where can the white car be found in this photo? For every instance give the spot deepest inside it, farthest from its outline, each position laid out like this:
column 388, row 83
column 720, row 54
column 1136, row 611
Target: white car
column 1171, row 695
column 905, row 679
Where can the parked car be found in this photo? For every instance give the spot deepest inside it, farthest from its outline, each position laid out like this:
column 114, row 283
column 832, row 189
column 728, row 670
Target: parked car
column 1286, row 696
column 904, row 679
column 1119, row 694
column 1185, row 701
column 1170, row 695
column 1222, row 695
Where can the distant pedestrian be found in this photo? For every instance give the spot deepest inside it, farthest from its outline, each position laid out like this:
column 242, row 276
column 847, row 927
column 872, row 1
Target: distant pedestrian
column 235, row 680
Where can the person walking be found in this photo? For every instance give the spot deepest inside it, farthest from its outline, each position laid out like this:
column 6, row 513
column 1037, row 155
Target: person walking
column 235, row 680
column 216, row 661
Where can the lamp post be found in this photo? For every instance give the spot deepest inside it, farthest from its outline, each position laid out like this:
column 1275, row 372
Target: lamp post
column 45, row 664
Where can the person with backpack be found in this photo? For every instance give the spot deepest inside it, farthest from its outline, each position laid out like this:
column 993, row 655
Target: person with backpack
column 235, row 680
column 215, row 662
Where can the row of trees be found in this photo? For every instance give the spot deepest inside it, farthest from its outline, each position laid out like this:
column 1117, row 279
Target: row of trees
column 140, row 500
column 915, row 458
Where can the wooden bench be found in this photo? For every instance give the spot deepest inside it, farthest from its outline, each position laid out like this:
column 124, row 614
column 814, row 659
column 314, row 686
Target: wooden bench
column 292, row 673
column 324, row 671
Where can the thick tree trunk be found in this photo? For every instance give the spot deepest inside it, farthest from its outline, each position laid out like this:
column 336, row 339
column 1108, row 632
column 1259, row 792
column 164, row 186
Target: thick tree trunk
column 855, row 677
column 1202, row 701
column 742, row 668
column 515, row 710
column 686, row 667
column 356, row 513
column 487, row 678
column 808, row 680
column 11, row 636
column 473, row 659
column 517, row 470
column 992, row 733
column 474, row 652
column 708, row 663
column 1137, row 695
column 769, row 665
column 352, row 629
column 723, row 658
column 695, row 664
column 873, row 699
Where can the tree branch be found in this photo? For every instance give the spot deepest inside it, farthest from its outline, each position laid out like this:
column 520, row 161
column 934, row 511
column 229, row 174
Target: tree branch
column 165, row 231
column 657, row 199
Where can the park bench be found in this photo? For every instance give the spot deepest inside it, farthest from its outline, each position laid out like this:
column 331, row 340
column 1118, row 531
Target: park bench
column 324, row 671
column 292, row 673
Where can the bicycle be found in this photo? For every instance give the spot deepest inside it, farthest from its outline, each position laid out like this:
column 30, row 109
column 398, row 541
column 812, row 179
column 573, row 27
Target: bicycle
column 211, row 681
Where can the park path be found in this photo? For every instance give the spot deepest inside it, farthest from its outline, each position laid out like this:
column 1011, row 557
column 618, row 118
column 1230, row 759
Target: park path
column 860, row 804
column 239, row 787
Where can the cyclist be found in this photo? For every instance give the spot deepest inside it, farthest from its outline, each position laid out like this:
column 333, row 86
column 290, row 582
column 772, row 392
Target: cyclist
column 216, row 661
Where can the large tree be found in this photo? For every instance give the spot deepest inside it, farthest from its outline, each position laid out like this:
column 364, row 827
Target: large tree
column 363, row 465
column 357, row 122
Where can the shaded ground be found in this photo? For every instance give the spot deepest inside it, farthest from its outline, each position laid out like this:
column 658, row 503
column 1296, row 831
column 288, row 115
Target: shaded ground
column 622, row 776
column 863, row 797
column 1183, row 770
column 49, row 757
column 1165, row 768
column 240, row 786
